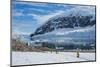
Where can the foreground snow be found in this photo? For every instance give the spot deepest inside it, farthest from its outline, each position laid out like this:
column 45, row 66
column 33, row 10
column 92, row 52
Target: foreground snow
column 25, row 58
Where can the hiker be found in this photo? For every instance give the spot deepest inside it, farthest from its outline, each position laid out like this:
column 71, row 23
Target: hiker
column 78, row 54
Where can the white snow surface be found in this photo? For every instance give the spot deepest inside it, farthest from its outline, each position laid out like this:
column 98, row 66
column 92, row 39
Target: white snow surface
column 27, row 58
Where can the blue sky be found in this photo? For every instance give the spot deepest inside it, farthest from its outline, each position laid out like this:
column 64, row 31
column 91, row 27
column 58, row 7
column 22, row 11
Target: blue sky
column 27, row 16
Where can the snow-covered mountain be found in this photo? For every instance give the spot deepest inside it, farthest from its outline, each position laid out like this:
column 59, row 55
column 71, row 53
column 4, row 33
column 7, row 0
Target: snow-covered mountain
column 72, row 26
column 76, row 17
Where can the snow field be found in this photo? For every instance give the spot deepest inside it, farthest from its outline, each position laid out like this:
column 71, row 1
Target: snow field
column 26, row 58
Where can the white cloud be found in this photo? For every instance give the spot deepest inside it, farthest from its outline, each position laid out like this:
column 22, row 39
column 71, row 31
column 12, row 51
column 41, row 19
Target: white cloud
column 18, row 14
column 89, row 28
column 18, row 32
column 43, row 18
column 80, row 10
column 88, row 9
